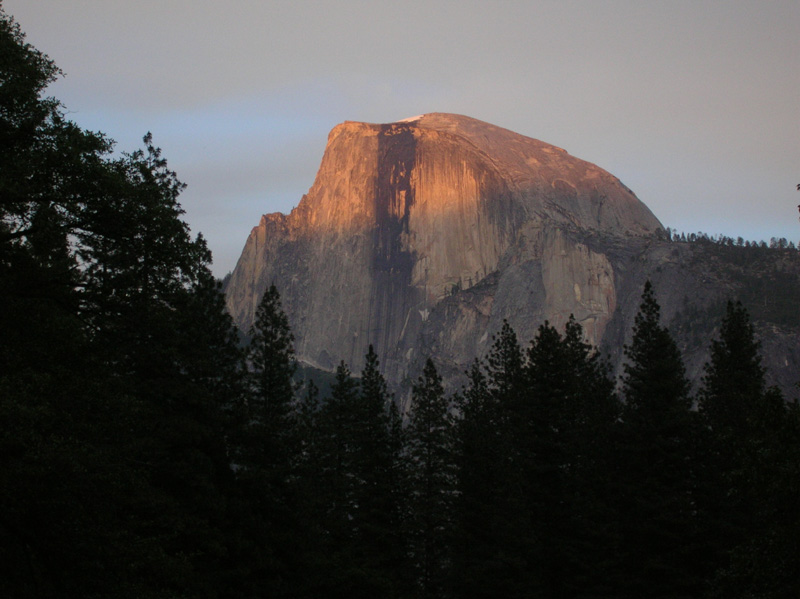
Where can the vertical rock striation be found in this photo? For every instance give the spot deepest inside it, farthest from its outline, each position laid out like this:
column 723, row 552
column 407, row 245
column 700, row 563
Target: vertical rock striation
column 423, row 235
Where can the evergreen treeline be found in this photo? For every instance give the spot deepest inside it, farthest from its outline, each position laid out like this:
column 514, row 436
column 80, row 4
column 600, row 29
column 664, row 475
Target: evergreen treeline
column 775, row 243
column 144, row 453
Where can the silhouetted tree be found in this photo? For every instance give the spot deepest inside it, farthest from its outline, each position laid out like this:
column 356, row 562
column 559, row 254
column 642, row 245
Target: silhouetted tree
column 573, row 409
column 432, row 482
column 483, row 564
column 118, row 374
column 380, row 540
column 658, row 527
column 755, row 456
column 266, row 453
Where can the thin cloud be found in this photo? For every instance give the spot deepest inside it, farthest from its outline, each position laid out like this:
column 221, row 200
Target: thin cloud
column 693, row 105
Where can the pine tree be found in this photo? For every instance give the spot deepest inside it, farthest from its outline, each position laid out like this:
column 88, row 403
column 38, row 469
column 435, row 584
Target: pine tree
column 570, row 418
column 657, row 480
column 266, row 454
column 754, row 466
column 381, row 544
column 307, row 432
column 654, row 381
column 331, row 498
column 730, row 400
column 734, row 378
column 399, row 489
column 507, row 407
column 493, row 550
column 359, row 486
column 504, row 366
column 271, row 358
column 117, row 373
column 336, row 421
column 432, row 481
column 268, row 445
column 486, row 525
column 533, row 467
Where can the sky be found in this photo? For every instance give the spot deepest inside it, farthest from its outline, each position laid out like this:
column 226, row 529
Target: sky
column 694, row 105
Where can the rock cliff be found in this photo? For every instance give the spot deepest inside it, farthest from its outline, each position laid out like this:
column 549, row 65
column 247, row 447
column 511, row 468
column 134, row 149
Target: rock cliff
column 421, row 236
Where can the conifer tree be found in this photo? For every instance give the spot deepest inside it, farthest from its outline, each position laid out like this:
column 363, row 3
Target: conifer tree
column 268, row 443
column 485, row 526
column 754, row 467
column 307, row 423
column 381, row 543
column 358, row 472
column 399, row 554
column 272, row 363
column 733, row 383
column 336, row 488
column 504, row 366
column 571, row 415
column 265, row 452
column 658, row 531
column 730, row 400
column 492, row 552
column 335, row 425
column 117, row 371
column 372, row 419
column 358, row 487
column 508, row 406
column 432, row 482
column 399, row 482
column 654, row 381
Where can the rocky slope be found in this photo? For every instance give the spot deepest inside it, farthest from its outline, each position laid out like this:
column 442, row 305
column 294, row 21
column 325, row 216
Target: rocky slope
column 421, row 236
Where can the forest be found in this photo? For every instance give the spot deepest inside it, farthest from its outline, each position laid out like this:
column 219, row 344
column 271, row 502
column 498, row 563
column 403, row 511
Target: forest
column 146, row 451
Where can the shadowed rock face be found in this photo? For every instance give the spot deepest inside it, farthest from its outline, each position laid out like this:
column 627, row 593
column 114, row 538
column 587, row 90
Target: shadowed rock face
column 420, row 237
column 403, row 216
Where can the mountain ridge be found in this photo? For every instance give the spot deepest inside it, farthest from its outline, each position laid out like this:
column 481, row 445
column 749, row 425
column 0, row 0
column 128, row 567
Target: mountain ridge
column 404, row 219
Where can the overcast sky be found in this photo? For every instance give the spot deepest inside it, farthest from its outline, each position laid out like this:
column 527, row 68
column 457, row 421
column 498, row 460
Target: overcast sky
column 694, row 105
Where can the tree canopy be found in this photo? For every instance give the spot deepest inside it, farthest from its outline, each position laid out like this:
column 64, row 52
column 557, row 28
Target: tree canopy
column 146, row 450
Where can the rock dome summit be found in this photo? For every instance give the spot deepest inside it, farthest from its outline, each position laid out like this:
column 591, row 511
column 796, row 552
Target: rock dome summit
column 421, row 236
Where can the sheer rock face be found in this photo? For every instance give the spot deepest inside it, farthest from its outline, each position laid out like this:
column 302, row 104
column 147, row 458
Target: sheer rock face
column 423, row 235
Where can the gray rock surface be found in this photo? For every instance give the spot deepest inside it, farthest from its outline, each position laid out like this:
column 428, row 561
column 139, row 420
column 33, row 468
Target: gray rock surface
column 420, row 237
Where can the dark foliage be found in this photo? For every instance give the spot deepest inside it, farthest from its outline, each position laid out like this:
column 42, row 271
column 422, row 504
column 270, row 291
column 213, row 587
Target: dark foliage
column 145, row 453
column 432, row 482
column 118, row 369
column 755, row 467
column 657, row 458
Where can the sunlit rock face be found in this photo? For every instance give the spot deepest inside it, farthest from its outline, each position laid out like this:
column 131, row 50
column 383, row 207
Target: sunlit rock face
column 424, row 235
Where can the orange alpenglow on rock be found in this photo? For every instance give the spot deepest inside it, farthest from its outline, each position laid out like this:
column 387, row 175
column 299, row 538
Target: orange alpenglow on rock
column 421, row 236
